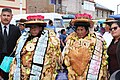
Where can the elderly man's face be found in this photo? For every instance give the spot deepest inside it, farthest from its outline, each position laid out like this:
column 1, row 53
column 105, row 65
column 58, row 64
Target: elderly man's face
column 115, row 30
column 34, row 30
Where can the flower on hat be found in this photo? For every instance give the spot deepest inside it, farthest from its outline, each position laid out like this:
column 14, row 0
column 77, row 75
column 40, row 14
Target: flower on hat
column 35, row 17
column 35, row 20
column 83, row 16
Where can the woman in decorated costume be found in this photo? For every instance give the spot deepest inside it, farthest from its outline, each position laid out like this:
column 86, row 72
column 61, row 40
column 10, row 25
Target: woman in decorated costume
column 37, row 53
column 85, row 53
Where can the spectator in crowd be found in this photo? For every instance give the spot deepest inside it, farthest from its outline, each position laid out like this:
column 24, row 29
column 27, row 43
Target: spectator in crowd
column 85, row 53
column 71, row 27
column 38, row 54
column 107, row 35
column 62, row 39
column 9, row 34
column 21, row 25
column 114, row 48
column 101, row 29
column 51, row 26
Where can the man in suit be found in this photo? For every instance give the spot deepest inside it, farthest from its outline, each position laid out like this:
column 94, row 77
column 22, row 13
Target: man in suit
column 9, row 35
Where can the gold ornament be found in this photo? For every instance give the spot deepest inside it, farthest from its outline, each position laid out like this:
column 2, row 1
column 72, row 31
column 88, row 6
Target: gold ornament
column 30, row 47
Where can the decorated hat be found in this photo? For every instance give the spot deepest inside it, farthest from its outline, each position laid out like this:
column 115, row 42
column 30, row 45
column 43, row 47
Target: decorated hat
column 83, row 16
column 82, row 22
column 35, row 20
column 83, row 19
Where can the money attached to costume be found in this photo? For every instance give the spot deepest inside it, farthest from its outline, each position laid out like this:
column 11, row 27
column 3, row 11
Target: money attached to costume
column 37, row 58
column 85, row 56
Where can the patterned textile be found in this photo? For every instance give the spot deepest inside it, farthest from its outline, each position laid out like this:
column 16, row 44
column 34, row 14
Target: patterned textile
column 37, row 59
column 86, row 58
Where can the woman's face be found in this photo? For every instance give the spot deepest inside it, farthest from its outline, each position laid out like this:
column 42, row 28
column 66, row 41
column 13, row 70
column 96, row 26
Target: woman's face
column 115, row 30
column 35, row 30
column 81, row 31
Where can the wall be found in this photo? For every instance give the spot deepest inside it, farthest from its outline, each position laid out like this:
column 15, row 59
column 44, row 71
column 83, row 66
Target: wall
column 14, row 5
column 39, row 6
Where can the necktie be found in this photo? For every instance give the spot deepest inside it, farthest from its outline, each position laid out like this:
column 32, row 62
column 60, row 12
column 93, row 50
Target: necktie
column 5, row 40
column 5, row 32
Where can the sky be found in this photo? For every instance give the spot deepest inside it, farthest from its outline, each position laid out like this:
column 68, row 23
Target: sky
column 110, row 4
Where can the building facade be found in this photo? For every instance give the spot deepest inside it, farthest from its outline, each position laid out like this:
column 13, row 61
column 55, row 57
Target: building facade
column 102, row 12
column 43, row 6
column 57, row 6
column 79, row 6
column 15, row 5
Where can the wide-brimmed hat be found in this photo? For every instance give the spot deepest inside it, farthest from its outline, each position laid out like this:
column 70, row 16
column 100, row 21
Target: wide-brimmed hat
column 85, row 17
column 82, row 22
column 35, row 20
column 109, row 22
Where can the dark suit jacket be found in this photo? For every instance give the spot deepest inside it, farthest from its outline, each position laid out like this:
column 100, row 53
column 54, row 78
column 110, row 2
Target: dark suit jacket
column 118, row 52
column 14, row 34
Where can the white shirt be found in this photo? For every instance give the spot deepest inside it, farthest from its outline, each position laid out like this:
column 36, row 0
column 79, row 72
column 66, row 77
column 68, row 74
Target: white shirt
column 7, row 28
column 108, row 38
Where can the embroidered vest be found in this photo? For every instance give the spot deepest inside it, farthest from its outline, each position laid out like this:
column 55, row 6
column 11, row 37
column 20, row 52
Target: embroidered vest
column 38, row 57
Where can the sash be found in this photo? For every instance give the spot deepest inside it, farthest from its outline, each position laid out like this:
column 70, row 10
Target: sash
column 20, row 45
column 38, row 57
column 95, row 63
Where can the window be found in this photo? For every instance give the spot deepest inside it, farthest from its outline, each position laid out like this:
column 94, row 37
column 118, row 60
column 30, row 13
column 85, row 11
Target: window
column 102, row 13
column 89, row 6
column 58, row 23
column 96, row 13
column 52, row 1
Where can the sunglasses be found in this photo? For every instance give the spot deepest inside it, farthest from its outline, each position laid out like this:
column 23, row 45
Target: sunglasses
column 114, row 28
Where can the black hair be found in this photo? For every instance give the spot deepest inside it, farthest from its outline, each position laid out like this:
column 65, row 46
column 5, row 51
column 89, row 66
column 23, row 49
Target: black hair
column 62, row 30
column 86, row 25
column 50, row 21
column 6, row 10
column 36, row 24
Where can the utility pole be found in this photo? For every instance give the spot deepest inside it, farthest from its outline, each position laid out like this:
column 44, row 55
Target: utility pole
column 20, row 6
column 117, row 8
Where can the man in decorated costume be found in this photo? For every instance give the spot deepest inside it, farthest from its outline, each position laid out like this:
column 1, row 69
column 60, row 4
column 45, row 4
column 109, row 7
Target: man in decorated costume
column 37, row 54
column 85, row 53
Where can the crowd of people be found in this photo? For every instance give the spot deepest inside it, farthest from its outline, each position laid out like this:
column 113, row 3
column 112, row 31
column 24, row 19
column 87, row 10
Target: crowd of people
column 81, row 52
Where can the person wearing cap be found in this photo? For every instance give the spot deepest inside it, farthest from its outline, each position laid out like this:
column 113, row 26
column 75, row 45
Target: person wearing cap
column 114, row 48
column 85, row 53
column 21, row 25
column 107, row 35
column 71, row 27
column 38, row 54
